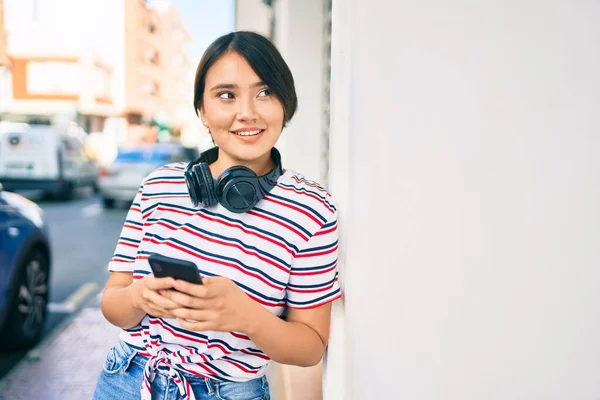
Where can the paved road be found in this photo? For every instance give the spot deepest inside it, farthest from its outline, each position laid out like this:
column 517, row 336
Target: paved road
column 83, row 236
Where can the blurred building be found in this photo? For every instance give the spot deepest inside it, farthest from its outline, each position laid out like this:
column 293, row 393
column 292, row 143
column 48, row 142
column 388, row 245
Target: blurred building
column 123, row 60
column 3, row 55
column 178, row 70
column 54, row 68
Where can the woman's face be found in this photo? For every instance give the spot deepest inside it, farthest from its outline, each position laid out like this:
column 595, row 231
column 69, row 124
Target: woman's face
column 244, row 117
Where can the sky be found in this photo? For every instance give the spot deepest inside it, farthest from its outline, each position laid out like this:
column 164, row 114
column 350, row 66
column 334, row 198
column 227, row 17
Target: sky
column 205, row 20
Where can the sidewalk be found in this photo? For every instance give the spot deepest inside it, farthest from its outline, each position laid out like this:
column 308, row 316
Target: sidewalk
column 55, row 371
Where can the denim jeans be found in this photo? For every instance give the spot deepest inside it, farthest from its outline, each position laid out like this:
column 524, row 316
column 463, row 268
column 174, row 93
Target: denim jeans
column 123, row 371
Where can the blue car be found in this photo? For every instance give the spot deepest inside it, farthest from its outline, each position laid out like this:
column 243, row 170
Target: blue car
column 24, row 271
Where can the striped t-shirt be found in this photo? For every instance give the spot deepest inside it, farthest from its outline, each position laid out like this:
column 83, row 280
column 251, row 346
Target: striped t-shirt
column 282, row 253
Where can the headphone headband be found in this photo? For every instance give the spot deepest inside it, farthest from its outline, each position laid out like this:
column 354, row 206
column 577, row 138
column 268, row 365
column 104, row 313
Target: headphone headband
column 211, row 155
column 238, row 188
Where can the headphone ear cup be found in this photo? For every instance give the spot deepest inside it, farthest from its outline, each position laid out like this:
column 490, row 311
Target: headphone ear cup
column 193, row 185
column 203, row 174
column 238, row 189
column 200, row 184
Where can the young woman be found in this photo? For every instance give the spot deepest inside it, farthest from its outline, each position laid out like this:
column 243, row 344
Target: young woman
column 264, row 240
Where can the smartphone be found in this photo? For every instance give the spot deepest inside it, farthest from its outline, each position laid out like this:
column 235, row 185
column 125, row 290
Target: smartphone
column 163, row 267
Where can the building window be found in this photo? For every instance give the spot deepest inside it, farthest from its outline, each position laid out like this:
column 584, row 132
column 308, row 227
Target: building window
column 154, row 58
column 155, row 89
column 134, row 118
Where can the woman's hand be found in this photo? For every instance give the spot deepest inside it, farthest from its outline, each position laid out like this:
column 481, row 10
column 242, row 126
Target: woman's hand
column 216, row 305
column 145, row 296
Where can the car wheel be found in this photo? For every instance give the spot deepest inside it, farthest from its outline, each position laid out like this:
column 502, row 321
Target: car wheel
column 108, row 203
column 66, row 192
column 29, row 304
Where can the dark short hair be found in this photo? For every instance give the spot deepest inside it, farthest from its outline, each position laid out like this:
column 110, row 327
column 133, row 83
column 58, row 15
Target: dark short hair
column 265, row 60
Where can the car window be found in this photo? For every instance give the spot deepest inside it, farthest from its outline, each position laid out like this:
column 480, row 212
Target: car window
column 177, row 155
column 144, row 156
column 190, row 153
column 73, row 147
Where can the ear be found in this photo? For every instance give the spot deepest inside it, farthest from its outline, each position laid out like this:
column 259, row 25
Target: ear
column 201, row 114
column 204, row 121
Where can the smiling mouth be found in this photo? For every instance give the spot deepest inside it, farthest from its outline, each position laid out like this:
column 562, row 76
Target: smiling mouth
column 249, row 133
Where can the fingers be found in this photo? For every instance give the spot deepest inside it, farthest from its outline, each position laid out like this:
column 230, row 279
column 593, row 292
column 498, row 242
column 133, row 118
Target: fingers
column 196, row 326
column 195, row 290
column 186, row 300
column 196, row 315
column 159, row 301
column 215, row 280
column 211, row 280
column 158, row 283
column 158, row 312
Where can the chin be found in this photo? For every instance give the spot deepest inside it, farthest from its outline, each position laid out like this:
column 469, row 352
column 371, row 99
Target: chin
column 247, row 153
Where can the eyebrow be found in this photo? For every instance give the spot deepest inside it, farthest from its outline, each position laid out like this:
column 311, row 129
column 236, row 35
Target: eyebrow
column 234, row 86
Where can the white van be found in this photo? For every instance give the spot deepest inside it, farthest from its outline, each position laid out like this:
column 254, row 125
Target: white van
column 44, row 157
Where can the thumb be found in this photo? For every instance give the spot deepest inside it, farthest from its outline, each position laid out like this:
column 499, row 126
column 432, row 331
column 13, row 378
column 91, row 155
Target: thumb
column 211, row 280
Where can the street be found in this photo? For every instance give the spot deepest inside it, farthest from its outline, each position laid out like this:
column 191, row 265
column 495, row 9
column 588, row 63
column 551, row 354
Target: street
column 83, row 237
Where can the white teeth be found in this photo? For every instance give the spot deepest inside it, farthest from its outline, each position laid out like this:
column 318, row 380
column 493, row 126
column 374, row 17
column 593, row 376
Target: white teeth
column 248, row 133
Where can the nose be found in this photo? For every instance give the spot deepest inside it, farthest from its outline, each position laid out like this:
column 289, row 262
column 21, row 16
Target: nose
column 246, row 110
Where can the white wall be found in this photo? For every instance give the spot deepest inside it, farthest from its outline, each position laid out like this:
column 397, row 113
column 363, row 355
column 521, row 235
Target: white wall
column 336, row 368
column 299, row 37
column 472, row 227
column 253, row 15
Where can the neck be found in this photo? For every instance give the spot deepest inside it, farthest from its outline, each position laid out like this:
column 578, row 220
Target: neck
column 260, row 166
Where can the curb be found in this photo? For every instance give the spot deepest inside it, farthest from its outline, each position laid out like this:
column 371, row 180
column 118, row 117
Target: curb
column 35, row 353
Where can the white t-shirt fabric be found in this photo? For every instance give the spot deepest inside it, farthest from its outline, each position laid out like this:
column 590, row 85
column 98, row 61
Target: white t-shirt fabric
column 281, row 253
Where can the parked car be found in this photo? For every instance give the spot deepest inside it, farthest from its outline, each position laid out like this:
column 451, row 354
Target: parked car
column 121, row 180
column 24, row 271
column 45, row 157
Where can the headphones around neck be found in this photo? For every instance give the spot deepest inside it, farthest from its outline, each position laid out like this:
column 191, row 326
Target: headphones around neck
column 238, row 188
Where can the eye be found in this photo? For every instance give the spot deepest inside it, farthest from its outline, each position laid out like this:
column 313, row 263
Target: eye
column 264, row 93
column 226, row 95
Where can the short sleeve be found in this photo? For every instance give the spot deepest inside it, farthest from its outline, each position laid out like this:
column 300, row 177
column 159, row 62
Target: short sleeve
column 314, row 274
column 130, row 238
